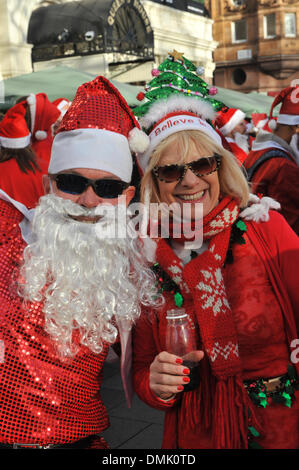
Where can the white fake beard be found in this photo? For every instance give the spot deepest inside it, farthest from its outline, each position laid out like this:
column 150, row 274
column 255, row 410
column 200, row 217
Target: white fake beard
column 294, row 146
column 91, row 283
column 242, row 141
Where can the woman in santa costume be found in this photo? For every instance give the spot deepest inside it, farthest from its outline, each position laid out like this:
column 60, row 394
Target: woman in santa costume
column 25, row 148
column 239, row 291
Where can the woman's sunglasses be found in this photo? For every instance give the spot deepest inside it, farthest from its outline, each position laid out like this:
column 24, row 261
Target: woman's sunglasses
column 202, row 167
column 72, row 183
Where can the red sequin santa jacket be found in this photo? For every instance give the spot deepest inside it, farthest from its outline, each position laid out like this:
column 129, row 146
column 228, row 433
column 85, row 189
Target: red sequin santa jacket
column 42, row 400
column 262, row 289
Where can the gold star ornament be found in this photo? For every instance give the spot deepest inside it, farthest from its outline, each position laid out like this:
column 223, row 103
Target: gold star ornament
column 176, row 55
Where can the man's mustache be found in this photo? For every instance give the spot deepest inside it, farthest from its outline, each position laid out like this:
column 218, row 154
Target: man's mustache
column 72, row 209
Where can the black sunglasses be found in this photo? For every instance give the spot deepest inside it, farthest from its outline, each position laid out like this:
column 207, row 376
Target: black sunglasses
column 202, row 167
column 72, row 183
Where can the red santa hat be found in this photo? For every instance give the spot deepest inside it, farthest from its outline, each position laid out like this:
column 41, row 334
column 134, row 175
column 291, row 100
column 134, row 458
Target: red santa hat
column 43, row 114
column 99, row 131
column 14, row 132
column 289, row 111
column 62, row 105
column 259, row 120
column 177, row 113
column 266, row 126
column 228, row 118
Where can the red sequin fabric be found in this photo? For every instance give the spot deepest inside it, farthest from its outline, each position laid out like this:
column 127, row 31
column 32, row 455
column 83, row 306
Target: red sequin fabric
column 42, row 400
column 99, row 105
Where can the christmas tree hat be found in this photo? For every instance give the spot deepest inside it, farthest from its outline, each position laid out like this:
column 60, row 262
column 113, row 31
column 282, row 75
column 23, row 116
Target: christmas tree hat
column 177, row 99
column 176, row 75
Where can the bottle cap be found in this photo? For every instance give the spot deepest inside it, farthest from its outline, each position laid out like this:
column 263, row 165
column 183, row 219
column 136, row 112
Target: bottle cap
column 176, row 313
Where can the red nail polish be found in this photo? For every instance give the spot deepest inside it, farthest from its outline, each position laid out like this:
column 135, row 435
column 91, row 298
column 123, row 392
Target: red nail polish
column 186, row 371
column 180, row 387
column 179, row 361
column 186, row 379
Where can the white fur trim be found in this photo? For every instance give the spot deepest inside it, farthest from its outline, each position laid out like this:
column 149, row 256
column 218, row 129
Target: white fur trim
column 25, row 224
column 170, row 126
column 138, row 140
column 237, row 117
column 272, row 124
column 261, row 123
column 31, row 100
column 253, row 198
column 96, row 149
column 258, row 211
column 16, row 143
column 177, row 103
column 40, row 135
column 267, row 144
column 63, row 106
column 288, row 119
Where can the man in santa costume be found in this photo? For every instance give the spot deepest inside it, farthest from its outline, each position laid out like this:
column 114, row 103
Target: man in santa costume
column 231, row 123
column 271, row 165
column 66, row 291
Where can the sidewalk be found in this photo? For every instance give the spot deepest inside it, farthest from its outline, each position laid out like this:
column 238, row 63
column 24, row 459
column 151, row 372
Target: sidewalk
column 138, row 427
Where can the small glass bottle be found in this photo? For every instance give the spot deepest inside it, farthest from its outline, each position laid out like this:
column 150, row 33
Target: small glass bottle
column 181, row 340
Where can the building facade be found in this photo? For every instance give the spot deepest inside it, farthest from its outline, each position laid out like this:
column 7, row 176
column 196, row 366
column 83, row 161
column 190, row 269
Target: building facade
column 122, row 39
column 258, row 43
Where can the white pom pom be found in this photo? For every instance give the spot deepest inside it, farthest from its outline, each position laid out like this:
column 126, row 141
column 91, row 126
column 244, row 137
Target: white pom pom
column 272, row 124
column 40, row 135
column 253, row 199
column 31, row 99
column 138, row 140
column 258, row 211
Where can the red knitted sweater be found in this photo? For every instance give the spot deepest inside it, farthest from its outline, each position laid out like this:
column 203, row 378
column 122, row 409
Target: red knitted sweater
column 264, row 322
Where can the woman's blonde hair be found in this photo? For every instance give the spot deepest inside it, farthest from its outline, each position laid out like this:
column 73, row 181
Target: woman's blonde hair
column 231, row 178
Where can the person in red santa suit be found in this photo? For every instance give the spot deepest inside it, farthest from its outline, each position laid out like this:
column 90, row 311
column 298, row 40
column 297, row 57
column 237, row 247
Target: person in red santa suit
column 238, row 292
column 25, row 146
column 67, row 290
column 231, row 123
column 271, row 165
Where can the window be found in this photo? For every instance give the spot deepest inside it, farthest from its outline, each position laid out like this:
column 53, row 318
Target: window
column 290, row 25
column 239, row 76
column 239, row 31
column 270, row 26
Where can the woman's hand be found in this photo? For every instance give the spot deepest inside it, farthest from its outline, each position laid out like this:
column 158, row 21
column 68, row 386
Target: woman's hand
column 168, row 375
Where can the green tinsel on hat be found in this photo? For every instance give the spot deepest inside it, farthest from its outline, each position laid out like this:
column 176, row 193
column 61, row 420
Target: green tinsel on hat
column 176, row 75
